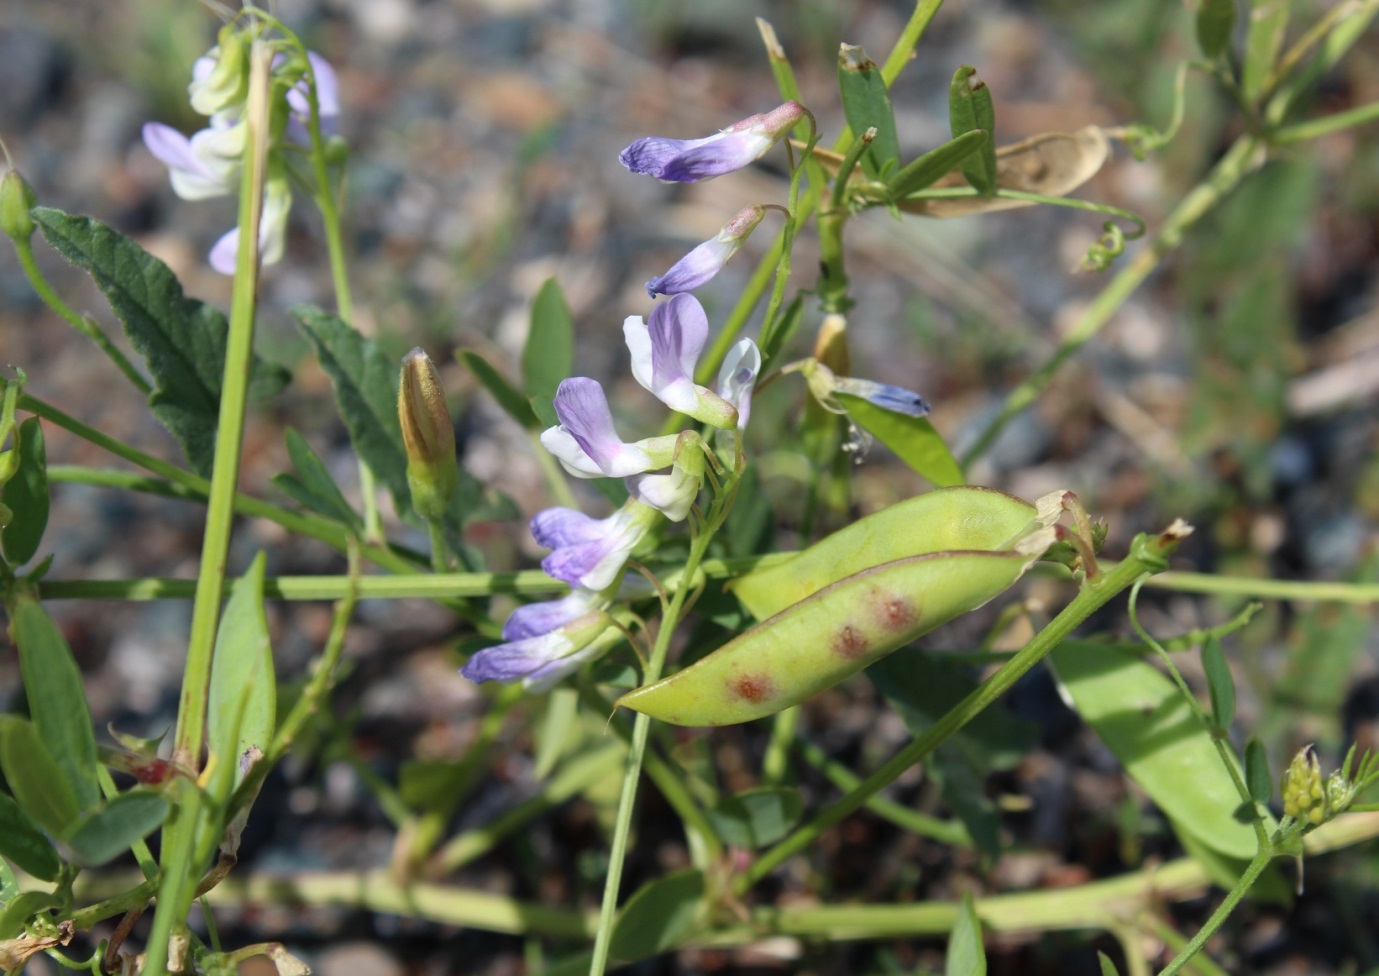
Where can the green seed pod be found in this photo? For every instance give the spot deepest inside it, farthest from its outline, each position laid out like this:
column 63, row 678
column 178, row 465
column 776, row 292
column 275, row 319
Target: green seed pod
column 832, row 634
column 16, row 200
column 946, row 519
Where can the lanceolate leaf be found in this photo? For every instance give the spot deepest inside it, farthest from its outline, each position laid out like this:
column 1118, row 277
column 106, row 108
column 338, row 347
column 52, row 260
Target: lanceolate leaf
column 34, row 777
column 312, row 486
column 966, row 955
column 181, row 339
column 23, row 842
column 658, row 915
column 108, row 831
column 937, row 163
column 243, row 695
column 913, row 439
column 867, row 104
column 26, row 494
column 365, row 380
column 57, row 701
column 518, row 407
column 549, row 354
column 970, row 109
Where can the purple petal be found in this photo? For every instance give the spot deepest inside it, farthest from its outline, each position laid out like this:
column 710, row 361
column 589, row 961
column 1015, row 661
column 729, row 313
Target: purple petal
column 582, row 408
column 694, row 269
column 225, row 255
column 738, row 376
column 534, row 619
column 670, row 345
column 729, row 152
column 651, row 155
column 547, row 675
column 556, row 527
column 672, row 493
column 896, row 399
column 515, row 659
column 327, row 102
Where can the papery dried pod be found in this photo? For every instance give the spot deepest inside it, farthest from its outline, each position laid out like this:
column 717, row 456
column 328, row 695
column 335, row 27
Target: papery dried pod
column 814, row 644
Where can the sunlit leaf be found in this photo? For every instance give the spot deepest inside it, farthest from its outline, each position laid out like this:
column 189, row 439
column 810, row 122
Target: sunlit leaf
column 658, row 916
column 548, row 356
column 913, row 439
column 867, row 105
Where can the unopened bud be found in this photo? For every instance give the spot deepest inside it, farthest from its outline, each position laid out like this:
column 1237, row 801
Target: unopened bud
column 428, row 436
column 221, row 79
column 1304, row 793
column 16, row 198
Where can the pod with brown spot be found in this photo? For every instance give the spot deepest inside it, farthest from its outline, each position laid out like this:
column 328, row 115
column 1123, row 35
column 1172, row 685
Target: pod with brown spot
column 966, row 518
column 817, row 642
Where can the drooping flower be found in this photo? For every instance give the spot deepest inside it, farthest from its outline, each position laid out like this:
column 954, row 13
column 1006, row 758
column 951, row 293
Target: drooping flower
column 706, row 260
column 590, row 552
column 204, row 166
column 691, row 160
column 664, row 354
column 896, row 399
column 327, row 102
column 586, row 443
column 534, row 619
column 543, row 659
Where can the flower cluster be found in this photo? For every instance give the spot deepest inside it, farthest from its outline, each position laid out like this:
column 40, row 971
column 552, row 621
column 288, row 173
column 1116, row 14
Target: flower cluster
column 209, row 163
column 543, row 642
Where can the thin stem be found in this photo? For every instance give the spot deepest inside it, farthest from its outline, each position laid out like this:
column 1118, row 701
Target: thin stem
column 84, row 325
column 776, row 765
column 1327, row 124
column 1256, row 867
column 1148, row 555
column 1239, row 161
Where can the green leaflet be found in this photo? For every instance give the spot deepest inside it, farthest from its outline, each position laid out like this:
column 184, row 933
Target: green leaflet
column 757, row 817
column 937, row 163
column 913, row 439
column 243, row 695
column 966, row 954
column 969, row 110
column 1215, row 22
column 23, row 842
column 867, row 105
column 658, row 915
column 34, row 777
column 26, row 495
column 951, row 518
column 109, row 830
column 311, row 486
column 181, row 339
column 549, row 355
column 517, row 406
column 57, row 701
column 1144, row 721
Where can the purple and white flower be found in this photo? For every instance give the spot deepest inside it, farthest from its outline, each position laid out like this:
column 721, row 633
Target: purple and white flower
column 206, row 165
column 534, row 619
column 327, row 102
column 706, row 260
column 586, row 551
column 540, row 660
column 896, row 399
column 673, row 493
column 691, row 160
column 664, row 354
column 586, row 443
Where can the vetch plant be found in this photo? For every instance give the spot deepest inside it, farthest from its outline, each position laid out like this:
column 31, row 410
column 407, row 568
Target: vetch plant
column 703, row 564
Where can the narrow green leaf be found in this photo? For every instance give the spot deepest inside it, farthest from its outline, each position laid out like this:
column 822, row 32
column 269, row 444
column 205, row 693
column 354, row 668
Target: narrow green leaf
column 1108, row 968
column 1220, row 684
column 1151, row 729
column 966, row 955
column 1215, row 22
column 181, row 339
column 969, row 109
column 913, row 439
column 549, row 354
column 365, row 381
column 26, row 495
column 312, row 487
column 1259, row 779
column 34, row 777
column 22, row 907
column 109, row 830
column 786, row 324
column 756, row 817
column 57, row 701
column 658, row 916
column 1263, row 42
column 9, row 887
column 937, row 163
column 23, row 842
column 243, row 696
column 513, row 403
column 867, row 105
column 558, row 732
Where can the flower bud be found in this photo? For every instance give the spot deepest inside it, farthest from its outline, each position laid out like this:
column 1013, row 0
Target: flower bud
column 706, row 260
column 1304, row 793
column 16, row 198
column 427, row 434
column 220, row 79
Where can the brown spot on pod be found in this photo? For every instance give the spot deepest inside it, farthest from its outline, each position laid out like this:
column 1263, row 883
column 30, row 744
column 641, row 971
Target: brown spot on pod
column 898, row 613
column 752, row 687
column 850, row 642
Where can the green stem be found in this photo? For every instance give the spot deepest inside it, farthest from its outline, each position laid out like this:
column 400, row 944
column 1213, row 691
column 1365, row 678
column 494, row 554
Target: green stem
column 1242, row 886
column 83, row 325
column 190, row 485
column 776, row 765
column 1327, row 124
column 1148, row 555
column 1239, row 161
column 637, row 748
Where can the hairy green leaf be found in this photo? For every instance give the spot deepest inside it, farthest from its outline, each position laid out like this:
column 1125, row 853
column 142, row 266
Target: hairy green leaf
column 181, row 339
